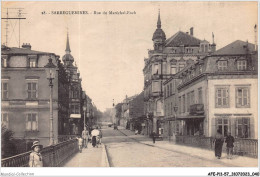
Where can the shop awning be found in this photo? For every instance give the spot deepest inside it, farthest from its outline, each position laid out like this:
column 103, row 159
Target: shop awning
column 75, row 116
column 185, row 117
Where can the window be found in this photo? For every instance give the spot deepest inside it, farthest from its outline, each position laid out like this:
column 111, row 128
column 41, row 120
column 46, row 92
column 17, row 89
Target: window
column 170, row 88
column 200, row 96
column 181, row 66
column 173, row 87
column 32, row 90
column 5, row 120
column 180, row 105
column 165, row 92
column 241, row 65
column 222, row 97
column 222, row 65
column 188, row 102
column 32, row 63
column 4, row 64
column 155, row 71
column 171, row 109
column 168, row 91
column 242, row 97
column 31, row 122
column 183, row 104
column 74, row 109
column 4, row 90
column 156, row 86
column 192, row 98
column 173, row 69
column 202, row 48
column 243, row 127
column 222, row 125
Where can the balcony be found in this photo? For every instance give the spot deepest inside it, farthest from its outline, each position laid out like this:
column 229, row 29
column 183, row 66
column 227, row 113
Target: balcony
column 197, row 109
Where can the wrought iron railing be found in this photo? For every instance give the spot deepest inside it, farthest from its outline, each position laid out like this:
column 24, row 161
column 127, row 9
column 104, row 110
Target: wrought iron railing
column 53, row 156
column 62, row 138
column 247, row 147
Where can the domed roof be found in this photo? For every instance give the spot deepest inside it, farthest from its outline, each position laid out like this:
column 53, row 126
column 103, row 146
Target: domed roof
column 67, row 57
column 159, row 33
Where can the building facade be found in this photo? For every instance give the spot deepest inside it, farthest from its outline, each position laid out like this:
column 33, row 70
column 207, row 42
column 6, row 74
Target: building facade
column 26, row 95
column 216, row 93
column 168, row 57
column 75, row 91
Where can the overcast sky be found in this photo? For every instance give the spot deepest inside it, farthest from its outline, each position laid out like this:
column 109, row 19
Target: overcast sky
column 110, row 49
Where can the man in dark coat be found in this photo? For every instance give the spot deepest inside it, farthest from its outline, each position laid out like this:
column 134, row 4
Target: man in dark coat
column 230, row 144
column 153, row 136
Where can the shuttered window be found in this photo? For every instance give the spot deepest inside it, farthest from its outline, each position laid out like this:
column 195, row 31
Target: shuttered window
column 242, row 97
column 222, row 97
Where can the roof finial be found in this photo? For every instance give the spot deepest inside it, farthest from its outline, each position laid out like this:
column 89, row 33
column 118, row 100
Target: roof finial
column 68, row 44
column 159, row 20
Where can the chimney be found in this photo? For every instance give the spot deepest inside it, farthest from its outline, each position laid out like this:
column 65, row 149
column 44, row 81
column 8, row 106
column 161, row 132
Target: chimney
column 27, row 46
column 191, row 31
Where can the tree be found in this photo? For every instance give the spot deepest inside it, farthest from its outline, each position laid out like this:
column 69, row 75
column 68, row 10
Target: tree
column 8, row 147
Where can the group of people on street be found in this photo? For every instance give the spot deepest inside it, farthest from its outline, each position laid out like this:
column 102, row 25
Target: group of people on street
column 36, row 160
column 219, row 141
column 94, row 137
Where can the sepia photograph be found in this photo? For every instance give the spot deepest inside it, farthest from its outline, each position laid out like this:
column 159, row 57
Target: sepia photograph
column 129, row 84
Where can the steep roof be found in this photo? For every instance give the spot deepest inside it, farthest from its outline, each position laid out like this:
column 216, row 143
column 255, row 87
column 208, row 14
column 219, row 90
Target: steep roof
column 181, row 38
column 237, row 47
column 25, row 51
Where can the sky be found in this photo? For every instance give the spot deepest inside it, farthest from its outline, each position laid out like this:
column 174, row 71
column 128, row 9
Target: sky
column 109, row 49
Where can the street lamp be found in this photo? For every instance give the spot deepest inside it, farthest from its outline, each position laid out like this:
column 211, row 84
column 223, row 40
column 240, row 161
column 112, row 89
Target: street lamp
column 84, row 110
column 175, row 108
column 50, row 69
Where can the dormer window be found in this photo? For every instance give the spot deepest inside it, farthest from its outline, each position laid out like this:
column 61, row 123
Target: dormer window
column 5, row 62
column 241, row 65
column 32, row 63
column 222, row 65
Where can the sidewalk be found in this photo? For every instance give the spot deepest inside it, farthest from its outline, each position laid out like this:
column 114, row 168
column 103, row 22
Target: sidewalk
column 237, row 161
column 90, row 157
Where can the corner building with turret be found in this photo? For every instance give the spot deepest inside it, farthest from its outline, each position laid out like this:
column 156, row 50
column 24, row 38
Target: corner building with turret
column 168, row 57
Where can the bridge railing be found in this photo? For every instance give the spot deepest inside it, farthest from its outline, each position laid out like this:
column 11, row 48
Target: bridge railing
column 247, row 147
column 53, row 156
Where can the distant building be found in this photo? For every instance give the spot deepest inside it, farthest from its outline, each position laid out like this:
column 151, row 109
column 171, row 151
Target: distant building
column 75, row 91
column 219, row 91
column 168, row 57
column 25, row 95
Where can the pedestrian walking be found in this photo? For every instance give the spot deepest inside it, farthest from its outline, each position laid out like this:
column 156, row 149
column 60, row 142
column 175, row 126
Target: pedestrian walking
column 35, row 156
column 94, row 134
column 80, row 143
column 219, row 140
column 230, row 144
column 85, row 136
column 153, row 136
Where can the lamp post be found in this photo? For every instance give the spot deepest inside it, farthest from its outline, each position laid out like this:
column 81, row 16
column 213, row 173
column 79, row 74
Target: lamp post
column 175, row 108
column 50, row 69
column 84, row 110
